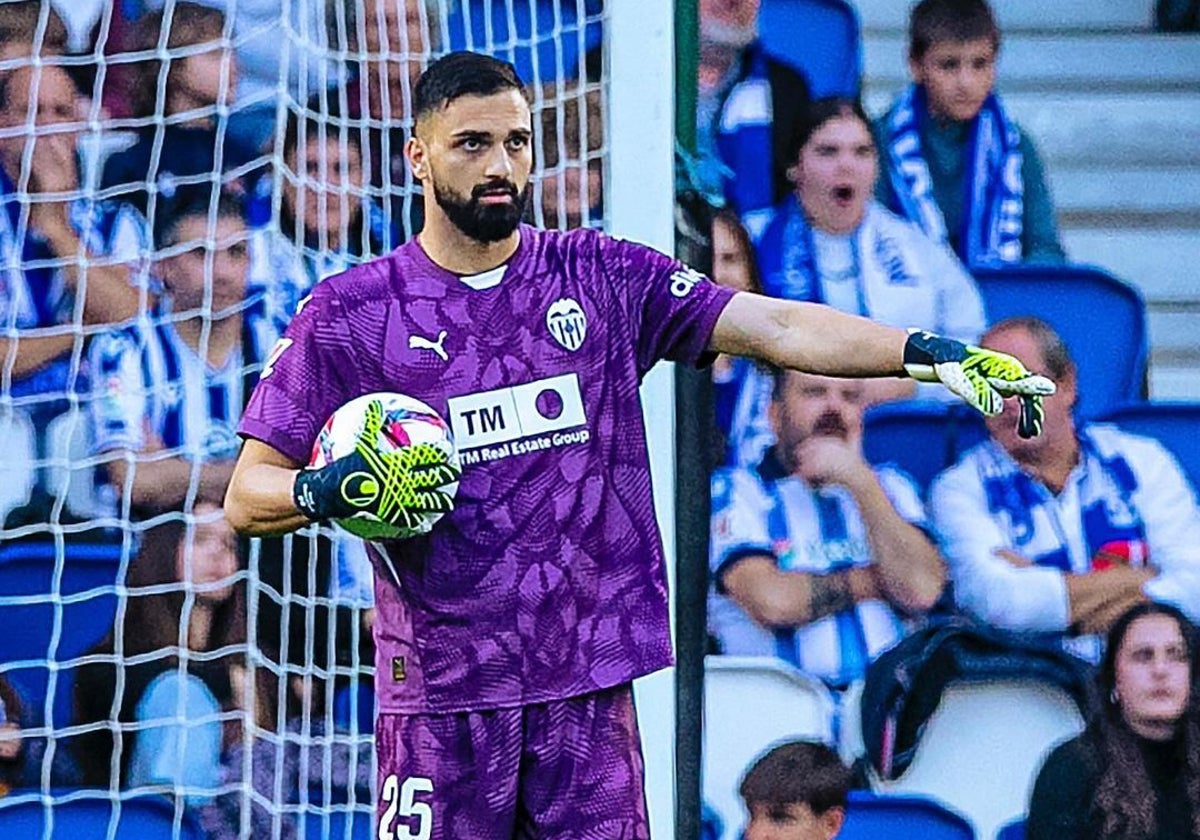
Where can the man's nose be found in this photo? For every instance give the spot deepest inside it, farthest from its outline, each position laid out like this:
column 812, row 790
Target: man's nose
column 499, row 163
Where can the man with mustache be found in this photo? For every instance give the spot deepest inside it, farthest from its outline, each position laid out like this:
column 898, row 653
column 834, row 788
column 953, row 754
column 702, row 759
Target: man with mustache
column 507, row 639
column 818, row 557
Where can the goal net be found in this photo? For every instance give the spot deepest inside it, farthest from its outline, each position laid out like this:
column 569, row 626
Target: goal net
column 169, row 168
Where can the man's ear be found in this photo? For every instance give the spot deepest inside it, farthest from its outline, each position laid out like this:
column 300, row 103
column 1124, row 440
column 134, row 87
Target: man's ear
column 831, row 822
column 417, row 155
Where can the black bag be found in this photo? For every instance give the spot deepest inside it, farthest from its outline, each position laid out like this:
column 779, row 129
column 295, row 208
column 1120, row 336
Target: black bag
column 905, row 684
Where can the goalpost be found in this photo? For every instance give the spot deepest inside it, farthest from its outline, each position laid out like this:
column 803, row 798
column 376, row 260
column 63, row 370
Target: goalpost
column 601, row 73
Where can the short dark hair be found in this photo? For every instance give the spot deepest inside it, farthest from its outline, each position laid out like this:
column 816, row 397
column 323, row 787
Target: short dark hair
column 938, row 21
column 189, row 201
column 19, row 24
column 798, row 773
column 816, row 114
column 462, row 73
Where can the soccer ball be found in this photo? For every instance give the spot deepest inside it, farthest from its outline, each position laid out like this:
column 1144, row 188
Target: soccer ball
column 406, row 421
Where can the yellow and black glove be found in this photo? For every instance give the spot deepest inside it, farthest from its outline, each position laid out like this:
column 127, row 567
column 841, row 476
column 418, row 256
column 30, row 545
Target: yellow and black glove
column 981, row 377
column 398, row 487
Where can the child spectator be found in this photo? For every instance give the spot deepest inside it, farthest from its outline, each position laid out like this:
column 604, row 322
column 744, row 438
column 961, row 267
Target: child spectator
column 797, row 791
column 956, row 164
column 183, row 628
column 168, row 395
column 183, row 143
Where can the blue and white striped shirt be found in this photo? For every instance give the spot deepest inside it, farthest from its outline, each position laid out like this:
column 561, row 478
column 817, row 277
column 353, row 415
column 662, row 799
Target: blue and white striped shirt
column 806, row 529
column 148, row 382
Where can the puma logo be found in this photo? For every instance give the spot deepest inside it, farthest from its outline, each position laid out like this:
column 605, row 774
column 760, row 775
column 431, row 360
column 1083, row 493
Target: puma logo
column 420, row 342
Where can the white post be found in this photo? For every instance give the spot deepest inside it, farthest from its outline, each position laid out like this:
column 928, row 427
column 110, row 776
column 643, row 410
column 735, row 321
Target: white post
column 640, row 205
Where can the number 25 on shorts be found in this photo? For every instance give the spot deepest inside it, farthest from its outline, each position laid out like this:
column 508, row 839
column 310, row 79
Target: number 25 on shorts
column 401, row 800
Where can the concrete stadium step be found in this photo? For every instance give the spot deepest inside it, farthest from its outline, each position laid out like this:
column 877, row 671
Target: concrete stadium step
column 1027, row 14
column 1115, row 191
column 1175, row 382
column 1161, row 263
column 1098, row 129
column 1074, row 63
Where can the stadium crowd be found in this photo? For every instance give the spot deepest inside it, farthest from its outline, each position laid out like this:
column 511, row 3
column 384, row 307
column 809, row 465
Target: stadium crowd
column 148, row 275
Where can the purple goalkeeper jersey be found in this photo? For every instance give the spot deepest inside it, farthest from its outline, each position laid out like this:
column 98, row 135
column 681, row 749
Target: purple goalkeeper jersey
column 547, row 581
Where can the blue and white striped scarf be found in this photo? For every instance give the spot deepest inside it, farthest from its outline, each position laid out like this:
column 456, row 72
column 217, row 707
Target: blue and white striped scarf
column 995, row 190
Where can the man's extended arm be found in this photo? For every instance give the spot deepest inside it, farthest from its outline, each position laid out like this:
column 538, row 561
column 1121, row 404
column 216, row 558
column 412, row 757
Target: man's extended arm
column 259, row 500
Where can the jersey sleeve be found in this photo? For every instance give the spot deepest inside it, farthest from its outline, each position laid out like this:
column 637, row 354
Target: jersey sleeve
column 312, row 370
column 119, row 402
column 673, row 308
column 739, row 521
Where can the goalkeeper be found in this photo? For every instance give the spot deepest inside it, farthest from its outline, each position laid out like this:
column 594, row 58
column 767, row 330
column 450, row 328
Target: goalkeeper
column 508, row 638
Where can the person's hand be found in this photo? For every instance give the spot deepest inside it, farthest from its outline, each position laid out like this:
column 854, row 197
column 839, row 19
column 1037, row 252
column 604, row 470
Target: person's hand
column 10, row 742
column 823, row 459
column 983, row 378
column 54, row 169
column 397, row 487
column 1013, row 559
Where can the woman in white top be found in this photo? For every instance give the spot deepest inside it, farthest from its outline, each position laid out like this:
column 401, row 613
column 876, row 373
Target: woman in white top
column 831, row 242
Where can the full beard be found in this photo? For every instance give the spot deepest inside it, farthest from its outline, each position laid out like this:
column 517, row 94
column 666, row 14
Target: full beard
column 485, row 223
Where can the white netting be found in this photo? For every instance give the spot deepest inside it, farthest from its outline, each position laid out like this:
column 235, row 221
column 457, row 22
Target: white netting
column 165, row 680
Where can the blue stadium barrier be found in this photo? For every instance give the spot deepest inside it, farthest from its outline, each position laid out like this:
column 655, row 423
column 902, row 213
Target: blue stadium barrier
column 85, row 598
column 1175, row 425
column 1101, row 319
column 140, row 817
column 339, row 825
column 557, row 51
column 871, row 816
column 920, row 437
column 1015, row 830
column 821, row 38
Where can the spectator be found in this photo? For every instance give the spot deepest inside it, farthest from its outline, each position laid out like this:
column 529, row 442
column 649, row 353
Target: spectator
column 1135, row 770
column 797, row 791
column 309, row 762
column 49, row 239
column 947, row 137
column 742, row 388
column 168, row 395
column 572, row 122
column 817, row 556
column 326, row 222
column 20, row 24
column 185, row 599
column 829, row 242
column 747, row 104
column 257, row 30
column 395, row 40
column 55, row 282
column 1064, row 532
column 183, row 146
column 17, row 764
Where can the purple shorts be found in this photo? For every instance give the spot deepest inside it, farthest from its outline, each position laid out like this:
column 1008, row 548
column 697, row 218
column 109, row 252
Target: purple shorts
column 562, row 770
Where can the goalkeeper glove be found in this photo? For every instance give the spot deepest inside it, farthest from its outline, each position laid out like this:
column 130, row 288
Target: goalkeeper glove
column 981, row 377
column 398, row 487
